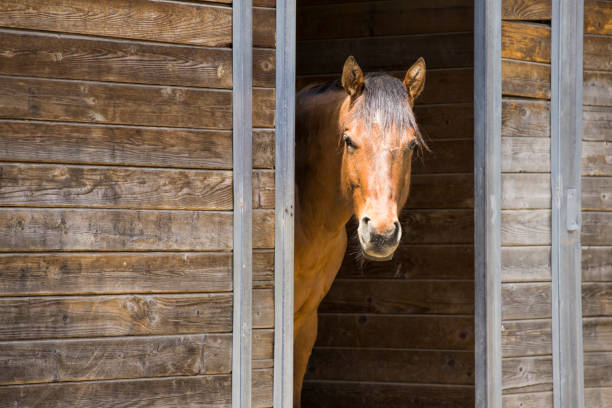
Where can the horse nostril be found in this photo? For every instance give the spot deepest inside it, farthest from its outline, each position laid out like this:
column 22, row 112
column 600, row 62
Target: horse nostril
column 365, row 220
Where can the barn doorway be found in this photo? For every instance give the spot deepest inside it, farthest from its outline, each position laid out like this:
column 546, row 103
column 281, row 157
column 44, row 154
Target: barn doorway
column 401, row 333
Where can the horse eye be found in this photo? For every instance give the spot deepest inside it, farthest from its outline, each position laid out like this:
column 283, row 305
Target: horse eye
column 413, row 144
column 349, row 142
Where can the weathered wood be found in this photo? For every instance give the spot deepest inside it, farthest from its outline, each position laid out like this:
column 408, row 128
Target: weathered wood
column 441, row 191
column 263, row 149
column 525, row 155
column 598, row 397
column 596, row 264
column 411, row 297
column 596, row 193
column 525, row 79
column 597, row 53
column 526, row 191
column 531, row 399
column 597, row 333
column 137, row 19
column 440, row 51
column 526, row 9
column 107, row 230
column 527, row 337
column 526, row 264
column 263, row 189
column 411, row 366
column 596, row 88
column 448, row 156
column 525, row 118
column 383, row 18
column 596, row 123
column 263, row 348
column 598, row 369
column 262, row 383
column 418, row 332
column 525, row 227
column 446, row 122
column 437, row 226
column 597, row 17
column 526, row 41
column 526, row 301
column 596, row 299
column 413, row 262
column 527, row 374
column 350, row 394
column 264, row 27
column 596, row 228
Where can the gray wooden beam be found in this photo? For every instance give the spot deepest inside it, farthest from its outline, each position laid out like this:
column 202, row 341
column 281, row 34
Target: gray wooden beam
column 487, row 204
column 284, row 205
column 566, row 134
column 243, row 207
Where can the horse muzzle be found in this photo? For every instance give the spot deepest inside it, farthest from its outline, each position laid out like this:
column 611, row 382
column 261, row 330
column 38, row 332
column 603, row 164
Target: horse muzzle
column 378, row 245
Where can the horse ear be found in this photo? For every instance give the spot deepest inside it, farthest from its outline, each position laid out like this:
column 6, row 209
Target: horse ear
column 415, row 79
column 352, row 77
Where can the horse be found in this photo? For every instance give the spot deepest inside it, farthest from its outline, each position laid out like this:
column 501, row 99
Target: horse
column 354, row 149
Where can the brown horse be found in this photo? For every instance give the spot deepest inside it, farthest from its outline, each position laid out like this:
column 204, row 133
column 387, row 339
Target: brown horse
column 354, row 147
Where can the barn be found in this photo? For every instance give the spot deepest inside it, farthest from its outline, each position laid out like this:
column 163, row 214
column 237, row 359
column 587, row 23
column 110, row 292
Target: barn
column 147, row 196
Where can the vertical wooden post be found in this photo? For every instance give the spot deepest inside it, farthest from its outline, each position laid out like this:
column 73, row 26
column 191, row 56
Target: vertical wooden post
column 487, row 204
column 243, row 206
column 566, row 135
column 284, row 205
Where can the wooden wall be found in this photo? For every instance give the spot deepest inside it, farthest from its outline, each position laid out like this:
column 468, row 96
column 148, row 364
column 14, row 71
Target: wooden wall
column 401, row 333
column 597, row 204
column 116, row 203
column 526, row 205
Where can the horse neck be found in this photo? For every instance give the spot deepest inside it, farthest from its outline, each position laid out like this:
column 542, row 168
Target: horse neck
column 322, row 206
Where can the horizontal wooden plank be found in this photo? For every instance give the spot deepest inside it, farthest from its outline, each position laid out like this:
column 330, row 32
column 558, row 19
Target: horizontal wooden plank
column 597, row 333
column 525, row 154
column 262, row 383
column 263, row 349
column 597, row 123
column 525, row 79
column 526, row 191
column 596, row 56
column 526, row 227
column 132, row 146
column 399, row 296
column 448, row 156
column 383, row 18
column 597, row 193
column 596, row 228
column 117, row 273
column 218, row 351
column 414, row 262
column 135, row 19
column 263, row 189
column 526, row 41
column 526, row 9
column 439, row 51
column 598, row 369
column 437, row 226
column 596, row 88
column 525, row 118
column 264, row 27
column 60, row 100
column 86, row 316
column 526, row 301
column 417, row 332
column 116, row 230
column 411, row 366
column 527, row 374
column 362, row 394
column 52, row 56
column 526, row 264
column 598, row 397
column 446, row 122
column 527, row 337
column 441, row 191
column 597, row 17
column 596, row 263
column 597, row 299
column 531, row 399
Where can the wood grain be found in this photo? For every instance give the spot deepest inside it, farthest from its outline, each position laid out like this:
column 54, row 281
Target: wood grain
column 531, row 399
column 446, row 122
column 525, row 79
column 526, row 264
column 596, row 123
column 525, row 154
column 597, row 333
column 527, row 374
column 411, row 297
column 448, row 156
column 596, row 228
column 596, row 55
column 597, row 17
column 107, row 230
column 526, row 191
column 437, row 226
column 411, row 331
column 598, row 369
column 598, row 397
column 526, row 301
column 411, row 366
column 596, row 88
column 596, row 264
column 441, row 191
column 527, row 337
column 597, row 299
column 526, row 41
column 596, row 193
column 526, row 9
column 525, row 118
column 526, row 227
